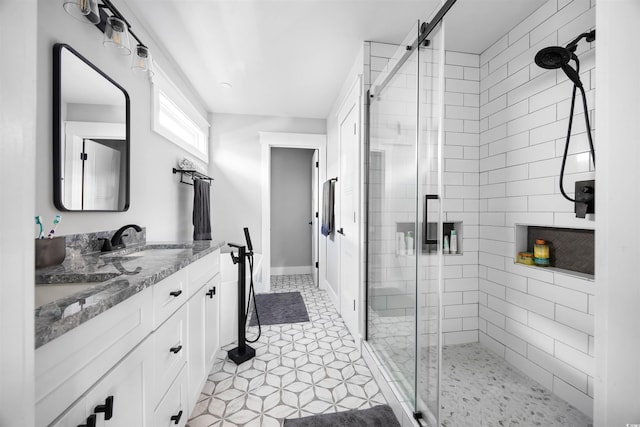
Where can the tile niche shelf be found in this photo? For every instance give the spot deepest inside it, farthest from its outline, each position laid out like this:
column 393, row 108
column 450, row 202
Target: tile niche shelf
column 571, row 250
column 447, row 227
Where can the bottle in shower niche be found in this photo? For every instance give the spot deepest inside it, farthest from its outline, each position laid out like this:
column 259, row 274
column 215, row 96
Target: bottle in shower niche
column 541, row 253
column 453, row 243
column 409, row 242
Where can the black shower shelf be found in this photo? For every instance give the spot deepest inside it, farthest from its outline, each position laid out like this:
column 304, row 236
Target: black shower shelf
column 192, row 173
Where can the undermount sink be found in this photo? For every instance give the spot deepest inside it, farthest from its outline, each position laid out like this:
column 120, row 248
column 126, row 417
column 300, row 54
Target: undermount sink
column 157, row 252
column 154, row 249
column 47, row 293
column 185, row 245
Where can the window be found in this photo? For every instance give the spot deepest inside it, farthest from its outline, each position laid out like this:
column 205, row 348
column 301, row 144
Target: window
column 176, row 119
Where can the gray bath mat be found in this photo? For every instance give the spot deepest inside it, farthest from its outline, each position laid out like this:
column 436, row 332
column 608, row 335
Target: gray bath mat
column 378, row 416
column 274, row 309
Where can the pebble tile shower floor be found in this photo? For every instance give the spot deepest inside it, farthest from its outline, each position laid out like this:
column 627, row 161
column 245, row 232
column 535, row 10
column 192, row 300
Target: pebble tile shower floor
column 481, row 389
column 300, row 369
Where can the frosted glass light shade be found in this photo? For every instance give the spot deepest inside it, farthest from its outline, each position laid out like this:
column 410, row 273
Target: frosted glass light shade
column 116, row 35
column 142, row 60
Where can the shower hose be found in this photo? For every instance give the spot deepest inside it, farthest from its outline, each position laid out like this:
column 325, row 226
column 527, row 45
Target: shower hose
column 252, row 293
column 588, row 125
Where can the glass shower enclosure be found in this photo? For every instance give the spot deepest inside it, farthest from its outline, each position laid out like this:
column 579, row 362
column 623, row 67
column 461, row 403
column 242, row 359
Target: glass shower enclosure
column 404, row 255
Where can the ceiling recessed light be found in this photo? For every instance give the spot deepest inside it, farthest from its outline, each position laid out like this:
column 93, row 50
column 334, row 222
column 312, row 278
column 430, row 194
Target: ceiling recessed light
column 226, row 85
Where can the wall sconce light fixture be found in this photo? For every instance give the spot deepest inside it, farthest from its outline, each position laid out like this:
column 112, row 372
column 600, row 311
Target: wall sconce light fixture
column 116, row 35
column 115, row 27
column 142, row 60
column 83, row 10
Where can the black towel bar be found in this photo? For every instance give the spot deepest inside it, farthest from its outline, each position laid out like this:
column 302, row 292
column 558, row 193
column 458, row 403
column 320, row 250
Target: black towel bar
column 192, row 173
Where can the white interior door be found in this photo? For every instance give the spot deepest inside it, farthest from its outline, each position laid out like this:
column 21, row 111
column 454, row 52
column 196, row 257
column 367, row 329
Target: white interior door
column 348, row 220
column 101, row 176
column 315, row 181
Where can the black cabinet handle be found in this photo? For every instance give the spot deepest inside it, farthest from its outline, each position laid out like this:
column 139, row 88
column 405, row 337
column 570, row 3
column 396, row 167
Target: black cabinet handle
column 211, row 292
column 91, row 421
column 341, row 231
column 176, row 349
column 175, row 293
column 107, row 408
column 176, row 418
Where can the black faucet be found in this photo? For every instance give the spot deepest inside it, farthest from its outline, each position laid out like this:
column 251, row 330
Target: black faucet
column 116, row 241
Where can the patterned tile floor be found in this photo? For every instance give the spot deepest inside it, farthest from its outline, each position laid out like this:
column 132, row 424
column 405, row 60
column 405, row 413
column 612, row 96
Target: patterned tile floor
column 300, row 369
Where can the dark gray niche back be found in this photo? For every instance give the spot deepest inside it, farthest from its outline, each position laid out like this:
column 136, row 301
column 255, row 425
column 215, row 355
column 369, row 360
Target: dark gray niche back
column 569, row 248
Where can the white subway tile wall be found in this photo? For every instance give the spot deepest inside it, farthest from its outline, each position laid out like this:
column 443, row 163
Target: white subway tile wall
column 540, row 321
column 459, row 197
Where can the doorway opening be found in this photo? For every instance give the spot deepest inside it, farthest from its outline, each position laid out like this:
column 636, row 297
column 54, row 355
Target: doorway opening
column 294, row 203
column 277, row 249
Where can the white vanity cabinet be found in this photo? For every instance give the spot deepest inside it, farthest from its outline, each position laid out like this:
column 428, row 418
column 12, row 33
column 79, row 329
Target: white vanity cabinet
column 148, row 356
column 203, row 334
column 67, row 367
column 203, row 325
column 117, row 399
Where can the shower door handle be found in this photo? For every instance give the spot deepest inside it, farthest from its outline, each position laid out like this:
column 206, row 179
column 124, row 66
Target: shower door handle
column 425, row 222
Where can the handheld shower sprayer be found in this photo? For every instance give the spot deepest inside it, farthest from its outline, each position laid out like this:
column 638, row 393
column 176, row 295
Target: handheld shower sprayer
column 554, row 57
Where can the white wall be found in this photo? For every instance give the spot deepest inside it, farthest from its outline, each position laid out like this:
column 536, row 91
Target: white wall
column 17, row 171
column 291, row 170
column 158, row 201
column 235, row 166
column 540, row 321
column 618, row 230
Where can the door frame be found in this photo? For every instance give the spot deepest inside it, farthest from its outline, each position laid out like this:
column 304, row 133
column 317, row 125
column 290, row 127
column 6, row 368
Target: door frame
column 269, row 140
column 315, row 208
column 353, row 101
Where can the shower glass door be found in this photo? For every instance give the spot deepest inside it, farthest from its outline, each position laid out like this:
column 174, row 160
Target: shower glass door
column 404, row 222
column 429, row 285
column 392, row 225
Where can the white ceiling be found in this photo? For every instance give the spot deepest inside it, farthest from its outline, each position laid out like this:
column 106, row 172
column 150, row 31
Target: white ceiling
column 290, row 57
column 81, row 84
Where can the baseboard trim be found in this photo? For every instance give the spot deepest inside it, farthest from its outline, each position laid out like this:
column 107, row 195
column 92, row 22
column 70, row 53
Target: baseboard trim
column 283, row 271
column 332, row 294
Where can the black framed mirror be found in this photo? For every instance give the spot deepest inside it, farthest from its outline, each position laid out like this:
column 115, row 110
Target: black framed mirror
column 91, row 139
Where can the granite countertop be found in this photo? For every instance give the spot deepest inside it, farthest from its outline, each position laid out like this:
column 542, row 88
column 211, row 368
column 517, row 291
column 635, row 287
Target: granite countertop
column 104, row 280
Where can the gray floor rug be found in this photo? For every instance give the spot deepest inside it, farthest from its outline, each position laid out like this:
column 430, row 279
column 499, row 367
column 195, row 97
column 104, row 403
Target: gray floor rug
column 378, row 416
column 278, row 308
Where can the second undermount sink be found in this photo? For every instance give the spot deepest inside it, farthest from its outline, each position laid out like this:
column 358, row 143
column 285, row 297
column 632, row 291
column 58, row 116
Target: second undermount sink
column 46, row 293
column 153, row 249
column 146, row 252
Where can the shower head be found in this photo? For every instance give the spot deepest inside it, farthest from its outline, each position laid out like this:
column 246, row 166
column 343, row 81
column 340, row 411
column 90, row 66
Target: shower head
column 553, row 57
